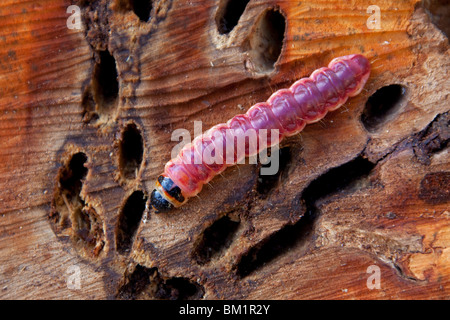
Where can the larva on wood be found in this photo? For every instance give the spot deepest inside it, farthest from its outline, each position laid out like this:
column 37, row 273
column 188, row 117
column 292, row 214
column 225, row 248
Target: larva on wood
column 265, row 124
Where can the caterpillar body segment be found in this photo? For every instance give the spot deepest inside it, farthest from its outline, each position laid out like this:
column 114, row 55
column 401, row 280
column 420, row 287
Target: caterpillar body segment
column 265, row 124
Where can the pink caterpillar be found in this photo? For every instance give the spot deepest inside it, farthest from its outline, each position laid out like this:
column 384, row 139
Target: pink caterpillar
column 286, row 113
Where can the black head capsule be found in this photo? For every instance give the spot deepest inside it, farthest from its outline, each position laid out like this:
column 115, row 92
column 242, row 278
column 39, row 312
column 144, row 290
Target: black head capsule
column 159, row 203
column 166, row 196
column 171, row 190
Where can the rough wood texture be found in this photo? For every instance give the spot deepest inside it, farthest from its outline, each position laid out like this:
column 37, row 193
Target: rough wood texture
column 350, row 193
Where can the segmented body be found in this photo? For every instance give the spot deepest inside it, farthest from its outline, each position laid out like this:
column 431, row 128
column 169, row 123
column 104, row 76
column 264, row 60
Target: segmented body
column 286, row 112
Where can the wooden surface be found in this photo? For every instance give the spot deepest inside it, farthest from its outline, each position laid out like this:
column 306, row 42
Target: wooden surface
column 347, row 196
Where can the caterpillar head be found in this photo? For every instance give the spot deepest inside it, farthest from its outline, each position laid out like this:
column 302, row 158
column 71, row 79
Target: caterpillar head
column 159, row 203
column 166, row 195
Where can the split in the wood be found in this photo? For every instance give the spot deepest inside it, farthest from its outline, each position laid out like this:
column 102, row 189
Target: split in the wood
column 351, row 175
column 432, row 139
column 347, row 178
column 148, row 283
column 71, row 215
column 216, row 239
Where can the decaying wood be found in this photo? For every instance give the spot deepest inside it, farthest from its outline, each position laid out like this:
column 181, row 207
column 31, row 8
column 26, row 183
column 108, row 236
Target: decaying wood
column 368, row 186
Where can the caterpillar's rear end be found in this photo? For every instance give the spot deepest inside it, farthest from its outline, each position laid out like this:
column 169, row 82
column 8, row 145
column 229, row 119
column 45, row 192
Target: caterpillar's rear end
column 286, row 112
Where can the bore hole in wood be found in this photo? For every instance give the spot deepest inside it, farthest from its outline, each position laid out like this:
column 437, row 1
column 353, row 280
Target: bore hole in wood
column 382, row 106
column 215, row 239
column 229, row 13
column 142, row 8
column 266, row 42
column 105, row 83
column 433, row 139
column 129, row 219
column 88, row 229
column 71, row 176
column 131, row 150
column 275, row 171
column 439, row 11
column 348, row 177
column 89, row 109
column 67, row 194
column 70, row 213
column 178, row 288
column 148, row 283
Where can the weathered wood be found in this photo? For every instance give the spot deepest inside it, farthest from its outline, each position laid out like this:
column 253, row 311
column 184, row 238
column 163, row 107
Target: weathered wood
column 364, row 187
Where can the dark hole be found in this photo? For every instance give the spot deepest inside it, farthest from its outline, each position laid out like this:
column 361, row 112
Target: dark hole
column 266, row 42
column 215, row 239
column 142, row 8
column 432, row 139
column 137, row 282
column 179, row 289
column 106, row 85
column 335, row 180
column 131, row 150
column 151, row 284
column 69, row 188
column 275, row 245
column 70, row 210
column 338, row 179
column 129, row 219
column 70, row 178
column 382, row 106
column 228, row 15
column 267, row 183
column 439, row 11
